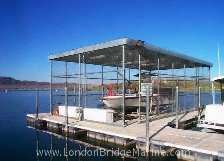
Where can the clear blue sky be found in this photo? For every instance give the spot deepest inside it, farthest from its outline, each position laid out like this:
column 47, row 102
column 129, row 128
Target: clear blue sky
column 31, row 30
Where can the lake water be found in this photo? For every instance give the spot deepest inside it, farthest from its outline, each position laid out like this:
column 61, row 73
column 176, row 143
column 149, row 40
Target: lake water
column 18, row 142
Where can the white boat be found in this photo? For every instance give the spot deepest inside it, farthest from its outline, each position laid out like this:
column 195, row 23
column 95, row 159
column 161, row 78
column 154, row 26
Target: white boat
column 115, row 101
column 132, row 101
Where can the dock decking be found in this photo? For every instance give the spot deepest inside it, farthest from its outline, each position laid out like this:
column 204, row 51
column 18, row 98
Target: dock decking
column 160, row 133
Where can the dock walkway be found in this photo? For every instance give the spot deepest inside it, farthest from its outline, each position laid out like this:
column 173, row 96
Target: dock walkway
column 160, row 133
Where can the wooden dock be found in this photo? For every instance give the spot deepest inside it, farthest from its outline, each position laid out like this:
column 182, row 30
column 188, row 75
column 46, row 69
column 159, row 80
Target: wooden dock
column 160, row 133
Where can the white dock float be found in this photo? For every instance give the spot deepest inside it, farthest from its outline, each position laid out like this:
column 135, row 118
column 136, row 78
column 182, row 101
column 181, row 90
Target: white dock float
column 213, row 117
column 100, row 115
column 73, row 111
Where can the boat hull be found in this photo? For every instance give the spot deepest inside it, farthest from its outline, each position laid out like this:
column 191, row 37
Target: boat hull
column 132, row 101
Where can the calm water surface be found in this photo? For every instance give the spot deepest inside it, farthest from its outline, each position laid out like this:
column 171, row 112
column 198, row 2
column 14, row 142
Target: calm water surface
column 18, row 142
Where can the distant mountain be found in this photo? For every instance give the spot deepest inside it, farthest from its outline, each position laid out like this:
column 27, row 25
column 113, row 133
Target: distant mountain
column 11, row 83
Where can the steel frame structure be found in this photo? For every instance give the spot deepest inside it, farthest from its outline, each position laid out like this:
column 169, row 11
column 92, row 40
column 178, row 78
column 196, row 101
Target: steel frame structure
column 132, row 55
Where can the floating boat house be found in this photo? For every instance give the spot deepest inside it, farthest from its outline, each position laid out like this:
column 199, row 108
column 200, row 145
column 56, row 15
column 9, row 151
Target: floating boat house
column 156, row 92
column 122, row 66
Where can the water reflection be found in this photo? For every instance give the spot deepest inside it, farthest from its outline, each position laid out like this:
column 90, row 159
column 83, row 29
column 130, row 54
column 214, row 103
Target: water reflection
column 68, row 147
column 37, row 144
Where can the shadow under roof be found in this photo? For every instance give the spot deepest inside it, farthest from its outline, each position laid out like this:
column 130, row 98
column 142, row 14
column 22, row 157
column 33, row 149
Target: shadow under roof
column 110, row 54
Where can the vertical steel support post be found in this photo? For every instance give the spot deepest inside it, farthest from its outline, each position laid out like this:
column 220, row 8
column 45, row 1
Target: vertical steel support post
column 102, row 83
column 198, row 84
column 66, row 98
column 139, row 88
column 85, row 86
column 158, row 86
column 66, row 73
column 177, row 106
column 37, row 102
column 51, row 74
column 209, row 78
column 173, row 91
column 195, row 88
column 66, row 108
column 199, row 97
column 79, row 87
column 199, row 103
column 147, row 118
column 74, row 90
column 117, row 80
column 123, row 86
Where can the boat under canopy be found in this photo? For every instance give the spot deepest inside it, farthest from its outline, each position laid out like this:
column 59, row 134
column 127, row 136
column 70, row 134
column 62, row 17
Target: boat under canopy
column 126, row 54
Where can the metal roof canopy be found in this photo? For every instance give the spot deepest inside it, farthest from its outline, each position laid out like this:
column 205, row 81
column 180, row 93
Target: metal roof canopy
column 110, row 54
